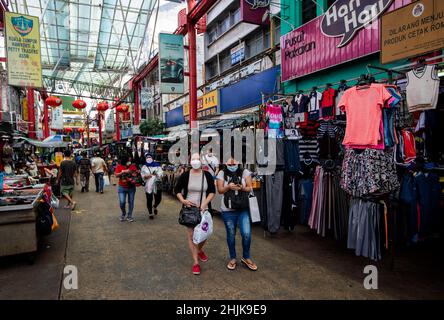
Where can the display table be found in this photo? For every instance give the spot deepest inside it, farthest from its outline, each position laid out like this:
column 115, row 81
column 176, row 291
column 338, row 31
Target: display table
column 18, row 222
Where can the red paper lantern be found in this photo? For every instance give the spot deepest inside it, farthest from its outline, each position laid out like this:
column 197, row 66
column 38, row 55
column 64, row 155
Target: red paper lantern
column 53, row 101
column 102, row 106
column 68, row 130
column 93, row 130
column 122, row 108
column 79, row 104
column 81, row 130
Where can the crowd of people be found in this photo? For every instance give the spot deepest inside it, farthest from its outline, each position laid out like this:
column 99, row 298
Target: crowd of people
column 195, row 187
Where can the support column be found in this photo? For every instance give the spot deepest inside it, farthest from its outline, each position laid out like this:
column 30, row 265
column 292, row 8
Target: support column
column 117, row 126
column 45, row 120
column 31, row 114
column 192, row 66
column 136, row 104
column 100, row 129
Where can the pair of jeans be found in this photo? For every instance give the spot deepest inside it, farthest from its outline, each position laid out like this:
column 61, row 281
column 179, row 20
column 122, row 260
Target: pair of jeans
column 84, row 180
column 149, row 200
column 232, row 219
column 99, row 181
column 123, row 192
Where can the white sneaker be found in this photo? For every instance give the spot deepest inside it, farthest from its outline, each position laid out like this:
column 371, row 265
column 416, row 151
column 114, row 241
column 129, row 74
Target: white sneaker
column 130, row 219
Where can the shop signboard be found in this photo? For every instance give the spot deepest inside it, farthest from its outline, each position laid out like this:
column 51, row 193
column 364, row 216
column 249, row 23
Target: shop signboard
column 171, row 63
column 25, row 112
column 23, row 50
column 348, row 30
column 206, row 105
column 57, row 118
column 126, row 133
column 238, row 53
column 412, row 30
column 253, row 11
column 109, row 121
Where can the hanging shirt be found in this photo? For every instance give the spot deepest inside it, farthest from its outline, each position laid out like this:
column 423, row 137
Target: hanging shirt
column 422, row 88
column 275, row 121
column 315, row 100
column 301, row 101
column 339, row 93
column 364, row 114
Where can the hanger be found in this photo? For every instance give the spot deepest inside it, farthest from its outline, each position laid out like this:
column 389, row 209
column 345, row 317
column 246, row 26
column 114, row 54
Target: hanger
column 363, row 82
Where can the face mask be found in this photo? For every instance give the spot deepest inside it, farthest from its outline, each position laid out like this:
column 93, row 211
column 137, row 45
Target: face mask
column 149, row 160
column 233, row 168
column 196, row 164
column 210, row 155
column 128, row 163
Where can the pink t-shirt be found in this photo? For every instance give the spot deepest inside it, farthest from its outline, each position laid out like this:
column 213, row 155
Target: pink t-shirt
column 364, row 113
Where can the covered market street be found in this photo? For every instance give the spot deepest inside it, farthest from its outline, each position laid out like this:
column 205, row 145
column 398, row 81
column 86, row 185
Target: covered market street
column 149, row 259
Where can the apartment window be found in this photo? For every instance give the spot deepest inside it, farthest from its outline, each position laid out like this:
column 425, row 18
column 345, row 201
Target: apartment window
column 225, row 61
column 235, row 17
column 211, row 69
column 212, row 35
column 224, row 26
column 277, row 33
column 308, row 10
column 255, row 45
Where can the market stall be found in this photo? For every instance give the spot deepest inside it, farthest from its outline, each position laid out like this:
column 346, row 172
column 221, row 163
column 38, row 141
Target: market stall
column 26, row 215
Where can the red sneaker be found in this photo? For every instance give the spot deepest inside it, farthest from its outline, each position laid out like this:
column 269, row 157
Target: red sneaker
column 196, row 269
column 202, row 256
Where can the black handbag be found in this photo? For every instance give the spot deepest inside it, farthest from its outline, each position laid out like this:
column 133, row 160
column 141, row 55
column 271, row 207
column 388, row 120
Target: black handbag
column 190, row 216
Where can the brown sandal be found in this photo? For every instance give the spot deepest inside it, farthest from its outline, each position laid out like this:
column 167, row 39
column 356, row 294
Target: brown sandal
column 231, row 265
column 250, row 265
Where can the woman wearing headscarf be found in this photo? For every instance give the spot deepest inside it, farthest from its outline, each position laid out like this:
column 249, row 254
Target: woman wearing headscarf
column 152, row 175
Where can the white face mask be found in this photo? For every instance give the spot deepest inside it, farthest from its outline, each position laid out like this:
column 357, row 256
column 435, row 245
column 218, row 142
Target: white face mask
column 196, row 164
column 128, row 164
column 149, row 160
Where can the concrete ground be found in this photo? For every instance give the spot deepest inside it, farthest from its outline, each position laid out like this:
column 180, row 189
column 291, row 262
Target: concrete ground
column 149, row 259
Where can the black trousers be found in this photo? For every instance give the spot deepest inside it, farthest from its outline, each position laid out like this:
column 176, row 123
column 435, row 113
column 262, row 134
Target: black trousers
column 149, row 200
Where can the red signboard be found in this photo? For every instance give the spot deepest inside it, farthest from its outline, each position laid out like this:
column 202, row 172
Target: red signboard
column 307, row 49
column 255, row 11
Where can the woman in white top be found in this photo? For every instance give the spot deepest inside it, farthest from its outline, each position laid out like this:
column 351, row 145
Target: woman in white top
column 231, row 182
column 195, row 188
column 152, row 175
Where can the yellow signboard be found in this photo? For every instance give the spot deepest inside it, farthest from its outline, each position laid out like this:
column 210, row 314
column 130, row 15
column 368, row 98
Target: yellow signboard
column 25, row 113
column 207, row 101
column 23, row 50
column 412, row 30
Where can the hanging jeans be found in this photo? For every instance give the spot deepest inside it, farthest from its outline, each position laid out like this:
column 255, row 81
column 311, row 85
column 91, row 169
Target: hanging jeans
column 305, row 197
column 123, row 193
column 99, row 181
column 275, row 183
column 157, row 197
column 232, row 219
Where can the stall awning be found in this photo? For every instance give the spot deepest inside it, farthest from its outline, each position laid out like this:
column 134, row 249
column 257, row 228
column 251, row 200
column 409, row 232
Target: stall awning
column 57, row 141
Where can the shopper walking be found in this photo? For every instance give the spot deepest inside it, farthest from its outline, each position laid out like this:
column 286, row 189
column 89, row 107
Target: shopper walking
column 152, row 175
column 235, row 183
column 99, row 169
column 85, row 171
column 126, row 188
column 68, row 178
column 110, row 168
column 195, row 187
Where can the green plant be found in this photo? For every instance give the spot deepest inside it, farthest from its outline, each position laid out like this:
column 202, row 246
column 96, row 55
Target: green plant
column 151, row 127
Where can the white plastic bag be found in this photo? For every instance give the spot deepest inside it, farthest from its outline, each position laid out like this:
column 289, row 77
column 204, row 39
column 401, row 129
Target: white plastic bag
column 54, row 202
column 254, row 208
column 204, row 229
column 106, row 181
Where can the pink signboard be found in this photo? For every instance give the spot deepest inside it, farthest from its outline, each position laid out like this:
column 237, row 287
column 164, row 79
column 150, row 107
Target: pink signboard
column 255, row 11
column 350, row 29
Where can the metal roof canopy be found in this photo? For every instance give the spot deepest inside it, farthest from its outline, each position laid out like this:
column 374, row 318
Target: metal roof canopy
column 91, row 42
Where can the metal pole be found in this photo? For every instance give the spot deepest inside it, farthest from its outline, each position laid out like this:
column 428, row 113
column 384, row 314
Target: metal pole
column 117, row 126
column 45, row 120
column 100, row 129
column 192, row 66
column 31, row 114
column 136, row 104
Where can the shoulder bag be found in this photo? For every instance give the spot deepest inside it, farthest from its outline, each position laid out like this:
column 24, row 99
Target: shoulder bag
column 236, row 200
column 190, row 216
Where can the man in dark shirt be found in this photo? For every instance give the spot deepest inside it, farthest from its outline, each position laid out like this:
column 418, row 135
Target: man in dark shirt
column 68, row 178
column 85, row 171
